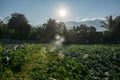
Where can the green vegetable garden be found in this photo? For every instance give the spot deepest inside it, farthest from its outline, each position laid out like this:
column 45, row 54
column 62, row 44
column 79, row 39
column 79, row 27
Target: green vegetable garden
column 69, row 62
column 59, row 40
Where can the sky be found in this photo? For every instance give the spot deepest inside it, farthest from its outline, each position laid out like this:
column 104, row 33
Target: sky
column 39, row 11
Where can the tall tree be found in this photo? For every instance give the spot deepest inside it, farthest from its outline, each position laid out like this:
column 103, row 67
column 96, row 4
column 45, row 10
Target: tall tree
column 110, row 25
column 113, row 26
column 19, row 24
column 117, row 24
column 50, row 29
column 3, row 30
column 61, row 28
column 92, row 34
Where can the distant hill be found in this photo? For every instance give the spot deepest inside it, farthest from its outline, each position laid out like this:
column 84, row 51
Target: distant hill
column 96, row 23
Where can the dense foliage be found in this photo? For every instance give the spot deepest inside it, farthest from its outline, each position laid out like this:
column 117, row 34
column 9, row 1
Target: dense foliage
column 70, row 62
column 17, row 27
column 113, row 26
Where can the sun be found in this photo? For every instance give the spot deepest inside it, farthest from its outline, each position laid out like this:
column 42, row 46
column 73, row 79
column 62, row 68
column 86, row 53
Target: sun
column 62, row 12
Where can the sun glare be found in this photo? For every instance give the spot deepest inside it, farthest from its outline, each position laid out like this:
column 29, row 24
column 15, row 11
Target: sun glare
column 62, row 12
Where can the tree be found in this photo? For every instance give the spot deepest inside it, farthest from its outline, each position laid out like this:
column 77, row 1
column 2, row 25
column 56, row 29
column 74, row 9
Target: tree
column 51, row 28
column 110, row 24
column 92, row 34
column 92, row 29
column 61, row 28
column 37, row 33
column 19, row 24
column 83, row 28
column 113, row 26
column 117, row 24
column 3, row 30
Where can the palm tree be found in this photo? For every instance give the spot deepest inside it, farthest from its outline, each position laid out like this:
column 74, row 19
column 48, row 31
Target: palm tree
column 117, row 24
column 110, row 24
column 113, row 26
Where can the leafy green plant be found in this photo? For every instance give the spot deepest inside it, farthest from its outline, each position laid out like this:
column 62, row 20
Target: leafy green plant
column 79, row 62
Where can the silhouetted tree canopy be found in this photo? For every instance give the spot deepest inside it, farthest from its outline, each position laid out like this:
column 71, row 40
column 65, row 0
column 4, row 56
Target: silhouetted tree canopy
column 113, row 26
column 18, row 25
column 92, row 29
column 3, row 30
column 50, row 29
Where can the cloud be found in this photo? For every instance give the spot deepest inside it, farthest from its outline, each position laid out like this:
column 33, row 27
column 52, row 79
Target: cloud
column 101, row 18
column 85, row 19
column 78, row 19
column 92, row 19
column 71, row 18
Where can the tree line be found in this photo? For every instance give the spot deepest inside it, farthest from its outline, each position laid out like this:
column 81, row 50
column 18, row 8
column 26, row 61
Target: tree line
column 17, row 27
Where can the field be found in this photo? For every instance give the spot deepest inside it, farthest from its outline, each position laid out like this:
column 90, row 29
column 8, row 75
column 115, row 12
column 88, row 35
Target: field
column 69, row 62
